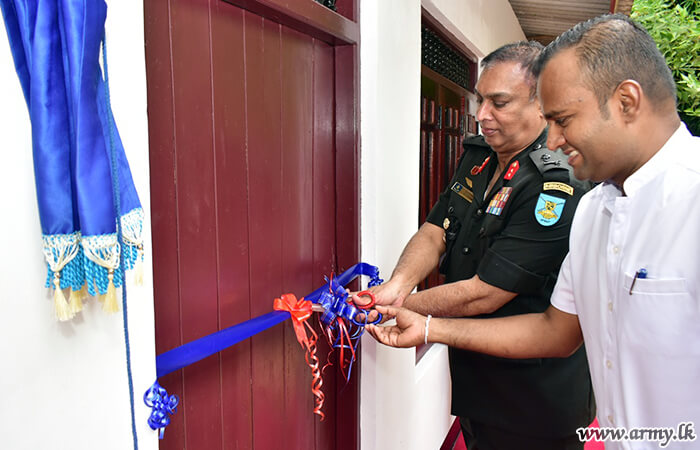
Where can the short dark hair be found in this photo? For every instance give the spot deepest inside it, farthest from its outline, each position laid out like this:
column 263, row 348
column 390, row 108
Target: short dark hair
column 524, row 52
column 610, row 49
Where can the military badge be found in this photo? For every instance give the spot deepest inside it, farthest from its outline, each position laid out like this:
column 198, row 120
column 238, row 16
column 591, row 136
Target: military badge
column 548, row 209
column 511, row 170
column 463, row 192
column 556, row 186
column 498, row 202
column 477, row 169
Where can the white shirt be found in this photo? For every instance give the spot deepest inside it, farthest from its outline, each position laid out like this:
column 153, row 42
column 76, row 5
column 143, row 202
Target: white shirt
column 644, row 348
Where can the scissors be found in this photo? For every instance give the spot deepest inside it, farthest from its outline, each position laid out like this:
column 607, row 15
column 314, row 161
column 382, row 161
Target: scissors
column 334, row 303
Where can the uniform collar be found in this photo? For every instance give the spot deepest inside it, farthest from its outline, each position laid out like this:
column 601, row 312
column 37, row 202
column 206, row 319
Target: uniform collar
column 662, row 160
column 535, row 145
column 520, row 157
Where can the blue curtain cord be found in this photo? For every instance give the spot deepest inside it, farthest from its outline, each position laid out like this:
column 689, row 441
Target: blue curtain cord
column 117, row 208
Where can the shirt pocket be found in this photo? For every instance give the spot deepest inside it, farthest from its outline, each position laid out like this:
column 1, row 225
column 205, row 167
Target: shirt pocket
column 659, row 317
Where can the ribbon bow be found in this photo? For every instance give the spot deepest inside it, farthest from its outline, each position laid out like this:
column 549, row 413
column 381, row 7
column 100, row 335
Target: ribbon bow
column 163, row 405
column 300, row 311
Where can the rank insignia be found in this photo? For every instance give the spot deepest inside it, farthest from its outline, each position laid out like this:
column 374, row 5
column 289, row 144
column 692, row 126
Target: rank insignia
column 476, row 170
column 469, row 182
column 548, row 209
column 463, row 192
column 446, row 223
column 511, row 170
column 498, row 202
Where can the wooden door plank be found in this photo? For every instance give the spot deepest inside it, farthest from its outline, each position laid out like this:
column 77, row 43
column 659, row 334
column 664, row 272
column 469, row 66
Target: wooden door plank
column 297, row 249
column 265, row 217
column 231, row 178
column 347, row 220
column 164, row 222
column 324, row 214
column 196, row 214
column 347, row 157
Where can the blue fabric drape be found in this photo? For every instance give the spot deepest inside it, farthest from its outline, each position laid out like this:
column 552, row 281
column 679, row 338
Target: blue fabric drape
column 56, row 47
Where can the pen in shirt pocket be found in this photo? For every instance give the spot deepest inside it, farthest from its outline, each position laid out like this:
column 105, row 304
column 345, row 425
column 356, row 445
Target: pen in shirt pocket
column 641, row 273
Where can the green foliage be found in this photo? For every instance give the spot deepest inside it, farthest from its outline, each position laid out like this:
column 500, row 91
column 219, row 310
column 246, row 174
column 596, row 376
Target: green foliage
column 675, row 26
column 692, row 6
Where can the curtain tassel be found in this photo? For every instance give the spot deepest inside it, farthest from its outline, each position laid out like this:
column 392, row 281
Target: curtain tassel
column 76, row 300
column 63, row 309
column 138, row 270
column 110, row 302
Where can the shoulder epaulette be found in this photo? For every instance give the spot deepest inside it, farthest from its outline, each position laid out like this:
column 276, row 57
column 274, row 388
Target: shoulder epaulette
column 557, row 175
column 546, row 160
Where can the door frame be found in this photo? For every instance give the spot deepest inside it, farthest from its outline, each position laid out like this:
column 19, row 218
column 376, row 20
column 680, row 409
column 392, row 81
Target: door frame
column 341, row 31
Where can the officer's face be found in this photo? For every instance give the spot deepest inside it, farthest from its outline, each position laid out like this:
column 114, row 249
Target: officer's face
column 510, row 120
column 591, row 137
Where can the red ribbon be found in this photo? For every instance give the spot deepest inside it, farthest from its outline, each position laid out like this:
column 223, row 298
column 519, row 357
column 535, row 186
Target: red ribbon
column 301, row 311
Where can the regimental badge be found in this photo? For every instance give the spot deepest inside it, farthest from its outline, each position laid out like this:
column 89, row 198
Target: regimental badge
column 548, row 209
column 557, row 186
column 446, row 223
column 463, row 192
column 498, row 202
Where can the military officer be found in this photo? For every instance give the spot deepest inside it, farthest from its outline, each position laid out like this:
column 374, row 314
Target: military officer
column 499, row 234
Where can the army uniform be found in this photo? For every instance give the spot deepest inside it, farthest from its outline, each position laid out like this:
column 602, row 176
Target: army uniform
column 514, row 237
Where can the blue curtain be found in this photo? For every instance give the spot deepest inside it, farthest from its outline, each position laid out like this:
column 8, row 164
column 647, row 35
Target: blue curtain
column 80, row 168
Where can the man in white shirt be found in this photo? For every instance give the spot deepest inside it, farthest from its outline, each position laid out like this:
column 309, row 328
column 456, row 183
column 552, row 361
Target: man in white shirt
column 630, row 285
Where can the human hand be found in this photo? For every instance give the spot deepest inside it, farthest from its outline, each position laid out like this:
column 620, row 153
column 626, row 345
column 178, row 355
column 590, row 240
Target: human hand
column 367, row 314
column 409, row 330
column 389, row 293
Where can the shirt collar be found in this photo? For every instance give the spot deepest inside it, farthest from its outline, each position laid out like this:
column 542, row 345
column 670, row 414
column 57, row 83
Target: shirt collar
column 658, row 163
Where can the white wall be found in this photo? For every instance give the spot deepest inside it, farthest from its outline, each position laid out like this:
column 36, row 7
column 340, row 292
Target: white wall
column 404, row 405
column 481, row 25
column 64, row 385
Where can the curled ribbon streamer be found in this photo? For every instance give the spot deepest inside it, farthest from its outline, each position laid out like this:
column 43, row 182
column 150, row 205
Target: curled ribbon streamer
column 317, row 381
column 163, row 406
column 300, row 311
column 340, row 322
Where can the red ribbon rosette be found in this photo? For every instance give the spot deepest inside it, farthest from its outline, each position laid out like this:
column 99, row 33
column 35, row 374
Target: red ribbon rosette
column 301, row 311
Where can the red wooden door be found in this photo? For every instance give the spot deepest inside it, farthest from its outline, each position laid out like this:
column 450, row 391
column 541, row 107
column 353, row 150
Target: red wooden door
column 245, row 206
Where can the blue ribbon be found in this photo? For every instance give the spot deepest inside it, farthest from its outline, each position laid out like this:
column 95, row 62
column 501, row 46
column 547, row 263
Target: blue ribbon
column 163, row 405
column 331, row 295
column 199, row 349
column 346, row 277
column 334, row 300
